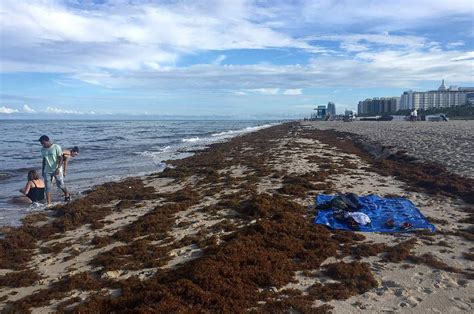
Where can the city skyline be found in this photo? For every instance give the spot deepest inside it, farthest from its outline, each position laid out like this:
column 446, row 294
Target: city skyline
column 242, row 59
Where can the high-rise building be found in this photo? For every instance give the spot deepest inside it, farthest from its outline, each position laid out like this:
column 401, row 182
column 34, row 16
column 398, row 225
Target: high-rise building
column 375, row 106
column 406, row 100
column 331, row 108
column 441, row 98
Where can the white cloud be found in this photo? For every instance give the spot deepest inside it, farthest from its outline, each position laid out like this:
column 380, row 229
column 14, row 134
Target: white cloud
column 54, row 110
column 48, row 36
column 383, row 15
column 390, row 68
column 219, row 59
column 128, row 44
column 464, row 57
column 293, row 91
column 265, row 91
column 455, row 44
column 365, row 41
column 7, row 110
column 52, row 37
column 28, row 109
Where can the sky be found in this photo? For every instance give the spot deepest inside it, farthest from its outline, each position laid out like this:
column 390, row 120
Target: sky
column 230, row 58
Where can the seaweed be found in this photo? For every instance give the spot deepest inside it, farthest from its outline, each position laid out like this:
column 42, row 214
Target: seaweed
column 55, row 248
column 18, row 279
column 469, row 255
column 126, row 203
column 428, row 177
column 343, row 236
column 355, row 276
column 434, row 220
column 136, row 255
column 99, row 242
column 15, row 249
column 229, row 276
column 57, row 290
column 63, row 306
column 430, row 260
column 157, row 222
column 365, row 249
column 235, row 272
column 34, row 218
column 186, row 195
column 399, row 252
column 330, row 291
column 293, row 301
column 468, row 220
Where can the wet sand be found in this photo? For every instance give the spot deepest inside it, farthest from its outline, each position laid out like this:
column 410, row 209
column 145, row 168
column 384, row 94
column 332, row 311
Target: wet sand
column 231, row 229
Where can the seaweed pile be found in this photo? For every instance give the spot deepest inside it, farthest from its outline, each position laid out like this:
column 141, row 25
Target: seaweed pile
column 17, row 245
column 428, row 177
column 240, row 272
column 261, row 241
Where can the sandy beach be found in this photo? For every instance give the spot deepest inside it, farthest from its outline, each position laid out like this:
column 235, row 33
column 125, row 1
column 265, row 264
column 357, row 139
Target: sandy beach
column 231, row 229
column 449, row 144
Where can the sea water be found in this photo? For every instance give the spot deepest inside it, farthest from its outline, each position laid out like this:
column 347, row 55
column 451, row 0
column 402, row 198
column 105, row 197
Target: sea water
column 109, row 151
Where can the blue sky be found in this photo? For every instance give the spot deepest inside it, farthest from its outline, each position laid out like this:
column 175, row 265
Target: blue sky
column 235, row 58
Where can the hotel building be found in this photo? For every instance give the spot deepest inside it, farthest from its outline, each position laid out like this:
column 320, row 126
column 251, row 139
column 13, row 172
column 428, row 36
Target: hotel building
column 441, row 98
column 377, row 106
column 331, row 108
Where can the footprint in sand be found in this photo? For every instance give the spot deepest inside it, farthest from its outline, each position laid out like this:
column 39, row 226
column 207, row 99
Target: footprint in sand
column 410, row 302
column 419, row 277
column 399, row 292
column 460, row 304
column 462, row 282
column 425, row 290
column 403, row 304
column 377, row 266
column 390, row 284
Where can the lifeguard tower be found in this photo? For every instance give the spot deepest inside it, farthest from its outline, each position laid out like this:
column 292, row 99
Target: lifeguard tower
column 320, row 114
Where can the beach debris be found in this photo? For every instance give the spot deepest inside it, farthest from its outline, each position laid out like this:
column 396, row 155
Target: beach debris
column 112, row 274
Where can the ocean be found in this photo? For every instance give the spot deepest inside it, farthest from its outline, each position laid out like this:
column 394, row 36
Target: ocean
column 109, row 151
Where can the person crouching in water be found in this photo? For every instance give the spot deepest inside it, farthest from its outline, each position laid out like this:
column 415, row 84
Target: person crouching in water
column 67, row 154
column 52, row 167
column 33, row 190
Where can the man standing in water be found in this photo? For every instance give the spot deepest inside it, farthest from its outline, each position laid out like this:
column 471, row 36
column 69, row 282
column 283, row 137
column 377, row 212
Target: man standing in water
column 52, row 167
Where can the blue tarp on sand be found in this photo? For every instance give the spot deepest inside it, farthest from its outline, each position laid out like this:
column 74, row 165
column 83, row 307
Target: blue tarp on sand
column 379, row 210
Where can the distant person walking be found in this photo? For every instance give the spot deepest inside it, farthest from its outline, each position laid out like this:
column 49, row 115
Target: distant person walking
column 414, row 115
column 67, row 155
column 52, row 167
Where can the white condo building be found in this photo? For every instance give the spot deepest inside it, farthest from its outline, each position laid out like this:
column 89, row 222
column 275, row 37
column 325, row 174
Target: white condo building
column 441, row 98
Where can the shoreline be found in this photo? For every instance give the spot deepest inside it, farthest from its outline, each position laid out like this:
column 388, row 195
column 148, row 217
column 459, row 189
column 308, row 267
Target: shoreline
column 182, row 148
column 230, row 228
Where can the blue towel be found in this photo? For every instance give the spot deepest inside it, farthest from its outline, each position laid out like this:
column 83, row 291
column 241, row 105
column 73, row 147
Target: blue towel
column 379, row 209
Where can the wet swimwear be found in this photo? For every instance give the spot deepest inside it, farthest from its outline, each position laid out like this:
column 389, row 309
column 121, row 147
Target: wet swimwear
column 36, row 194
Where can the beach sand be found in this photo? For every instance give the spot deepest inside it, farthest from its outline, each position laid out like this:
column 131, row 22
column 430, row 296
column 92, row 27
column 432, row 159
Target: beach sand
column 448, row 143
column 230, row 229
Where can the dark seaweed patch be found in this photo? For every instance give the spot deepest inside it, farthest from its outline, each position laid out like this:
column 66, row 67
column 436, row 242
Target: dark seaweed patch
column 356, row 276
column 399, row 252
column 229, row 276
column 430, row 260
column 57, row 290
column 17, row 279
